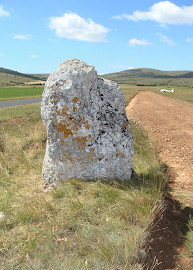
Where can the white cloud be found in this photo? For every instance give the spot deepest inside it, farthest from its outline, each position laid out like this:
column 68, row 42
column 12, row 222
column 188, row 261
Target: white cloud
column 163, row 12
column 131, row 67
column 166, row 40
column 28, row 36
column 143, row 42
column 34, row 56
column 189, row 39
column 2, row 54
column 72, row 26
column 3, row 12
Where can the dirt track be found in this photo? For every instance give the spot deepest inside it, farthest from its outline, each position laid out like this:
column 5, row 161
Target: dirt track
column 170, row 123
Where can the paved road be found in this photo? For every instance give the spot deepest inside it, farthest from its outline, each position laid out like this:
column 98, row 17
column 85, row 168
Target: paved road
column 10, row 103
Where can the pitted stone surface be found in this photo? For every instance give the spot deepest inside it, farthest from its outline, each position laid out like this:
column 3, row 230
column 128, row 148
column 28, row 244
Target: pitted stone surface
column 87, row 128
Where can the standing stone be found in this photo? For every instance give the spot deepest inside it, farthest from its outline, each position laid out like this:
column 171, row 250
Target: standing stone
column 87, row 128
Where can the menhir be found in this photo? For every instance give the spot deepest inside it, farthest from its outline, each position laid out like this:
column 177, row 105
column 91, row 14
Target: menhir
column 88, row 133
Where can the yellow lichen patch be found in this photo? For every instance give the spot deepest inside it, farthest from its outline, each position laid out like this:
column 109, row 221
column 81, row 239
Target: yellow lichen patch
column 126, row 124
column 63, row 128
column 75, row 109
column 55, row 87
column 75, row 99
column 87, row 124
column 121, row 155
column 64, row 81
column 64, row 110
column 82, row 141
column 67, row 156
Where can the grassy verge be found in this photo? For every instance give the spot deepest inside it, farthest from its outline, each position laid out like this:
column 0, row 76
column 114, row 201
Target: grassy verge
column 186, row 199
column 184, row 93
column 20, row 92
column 78, row 225
column 19, row 111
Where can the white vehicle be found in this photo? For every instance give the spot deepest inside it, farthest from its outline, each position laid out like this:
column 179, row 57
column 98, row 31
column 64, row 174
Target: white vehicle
column 164, row 90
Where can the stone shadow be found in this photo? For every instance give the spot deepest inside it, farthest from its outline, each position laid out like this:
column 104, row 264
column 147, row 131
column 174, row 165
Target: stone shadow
column 168, row 234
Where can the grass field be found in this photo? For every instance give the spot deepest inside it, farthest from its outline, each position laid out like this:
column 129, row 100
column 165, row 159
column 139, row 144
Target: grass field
column 78, row 225
column 184, row 93
column 20, row 92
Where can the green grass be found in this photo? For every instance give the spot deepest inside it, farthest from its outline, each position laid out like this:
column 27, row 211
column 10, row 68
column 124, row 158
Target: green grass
column 19, row 111
column 78, row 225
column 186, row 199
column 20, row 92
column 184, row 93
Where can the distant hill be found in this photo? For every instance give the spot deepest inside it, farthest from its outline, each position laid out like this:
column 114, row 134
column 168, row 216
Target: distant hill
column 42, row 76
column 10, row 77
column 148, row 76
column 12, row 72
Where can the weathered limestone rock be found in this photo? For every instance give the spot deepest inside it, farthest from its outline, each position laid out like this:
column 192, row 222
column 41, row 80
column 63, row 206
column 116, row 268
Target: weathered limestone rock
column 88, row 131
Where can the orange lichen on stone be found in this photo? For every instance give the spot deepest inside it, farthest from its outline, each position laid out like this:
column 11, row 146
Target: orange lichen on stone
column 64, row 110
column 87, row 125
column 126, row 124
column 62, row 128
column 75, row 109
column 81, row 140
column 75, row 99
column 121, row 155
column 65, row 81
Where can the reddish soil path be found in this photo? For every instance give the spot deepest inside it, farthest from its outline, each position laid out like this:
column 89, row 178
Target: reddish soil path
column 169, row 122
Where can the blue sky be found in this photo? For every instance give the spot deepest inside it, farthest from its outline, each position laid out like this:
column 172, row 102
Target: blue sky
column 37, row 36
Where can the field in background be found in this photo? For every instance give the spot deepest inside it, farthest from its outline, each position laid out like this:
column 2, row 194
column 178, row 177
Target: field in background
column 184, row 93
column 20, row 92
column 78, row 225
